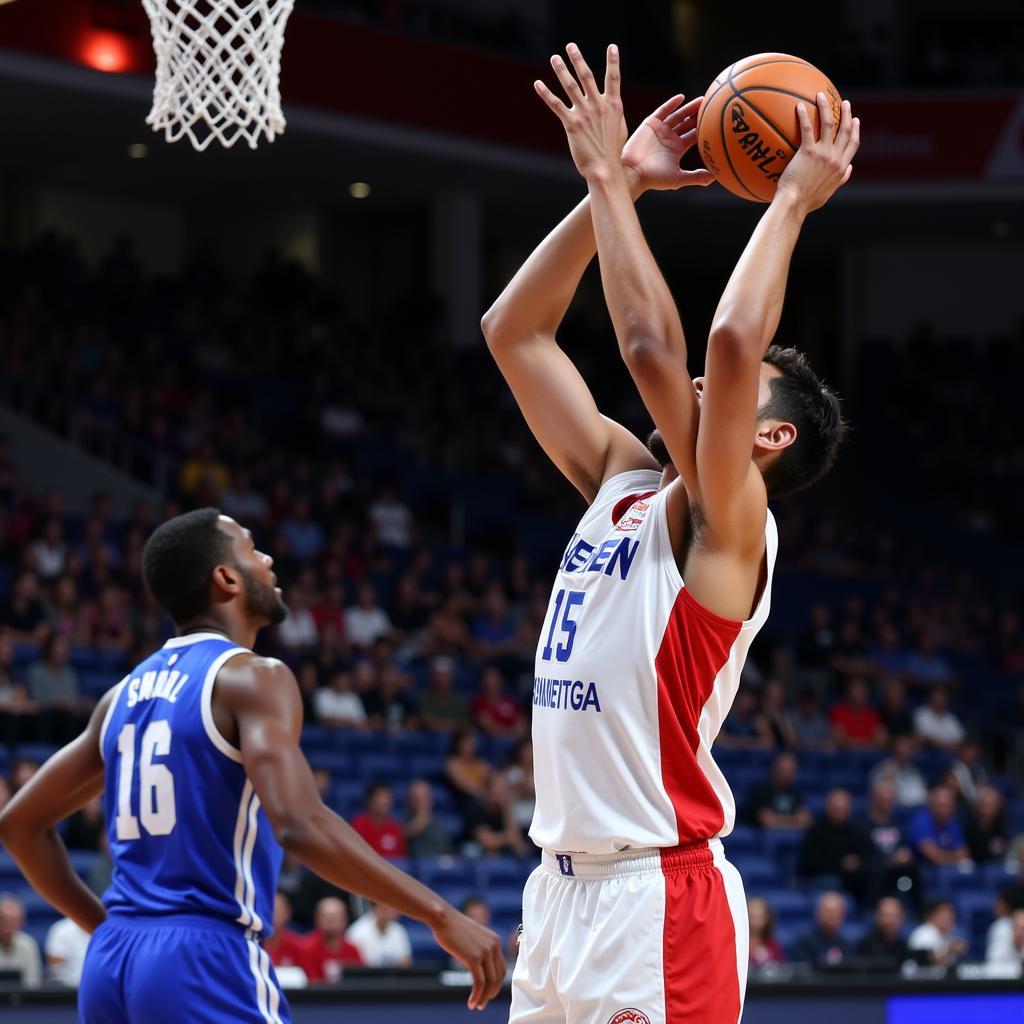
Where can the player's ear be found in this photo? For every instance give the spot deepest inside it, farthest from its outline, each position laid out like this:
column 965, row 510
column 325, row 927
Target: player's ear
column 227, row 580
column 774, row 435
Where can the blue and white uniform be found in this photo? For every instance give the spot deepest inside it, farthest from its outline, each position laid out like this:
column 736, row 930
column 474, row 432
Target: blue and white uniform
column 195, row 861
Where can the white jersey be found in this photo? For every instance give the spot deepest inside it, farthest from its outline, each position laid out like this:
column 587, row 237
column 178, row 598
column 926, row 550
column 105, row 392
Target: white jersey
column 633, row 680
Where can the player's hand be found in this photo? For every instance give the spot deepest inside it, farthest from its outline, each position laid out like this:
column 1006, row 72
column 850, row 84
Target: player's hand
column 479, row 949
column 652, row 153
column 593, row 122
column 820, row 165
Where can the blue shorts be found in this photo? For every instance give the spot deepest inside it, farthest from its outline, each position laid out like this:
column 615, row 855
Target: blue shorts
column 177, row 970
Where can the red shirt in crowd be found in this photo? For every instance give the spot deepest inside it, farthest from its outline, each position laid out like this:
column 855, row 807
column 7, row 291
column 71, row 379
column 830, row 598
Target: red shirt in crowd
column 386, row 837
column 855, row 723
column 287, row 949
column 325, row 963
column 504, row 713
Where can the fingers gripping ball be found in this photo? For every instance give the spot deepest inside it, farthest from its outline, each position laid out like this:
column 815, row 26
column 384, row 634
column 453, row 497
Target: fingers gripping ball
column 748, row 130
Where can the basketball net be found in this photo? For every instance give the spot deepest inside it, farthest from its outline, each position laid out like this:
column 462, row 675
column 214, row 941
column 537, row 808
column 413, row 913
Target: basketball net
column 217, row 68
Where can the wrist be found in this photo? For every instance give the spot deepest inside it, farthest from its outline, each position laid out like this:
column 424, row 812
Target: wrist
column 438, row 914
column 789, row 202
column 633, row 182
column 608, row 176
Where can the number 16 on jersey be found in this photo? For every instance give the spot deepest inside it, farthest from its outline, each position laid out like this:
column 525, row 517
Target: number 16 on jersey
column 567, row 602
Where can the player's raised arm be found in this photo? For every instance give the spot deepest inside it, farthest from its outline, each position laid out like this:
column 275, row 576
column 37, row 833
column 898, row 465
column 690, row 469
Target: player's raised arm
column 642, row 309
column 262, row 698
column 520, row 327
column 732, row 489
column 64, row 784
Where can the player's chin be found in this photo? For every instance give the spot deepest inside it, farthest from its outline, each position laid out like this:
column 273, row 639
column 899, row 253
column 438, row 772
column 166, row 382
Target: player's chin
column 656, row 446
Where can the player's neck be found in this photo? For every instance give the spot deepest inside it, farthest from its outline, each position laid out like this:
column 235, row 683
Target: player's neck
column 237, row 632
column 668, row 474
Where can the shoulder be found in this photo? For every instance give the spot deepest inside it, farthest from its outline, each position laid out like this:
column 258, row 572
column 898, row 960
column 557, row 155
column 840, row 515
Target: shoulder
column 248, row 681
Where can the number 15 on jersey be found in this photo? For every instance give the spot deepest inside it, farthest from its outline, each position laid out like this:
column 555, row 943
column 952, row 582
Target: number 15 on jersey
column 567, row 604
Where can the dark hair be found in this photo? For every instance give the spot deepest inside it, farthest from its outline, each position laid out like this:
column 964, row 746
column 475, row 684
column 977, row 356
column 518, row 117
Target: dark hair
column 932, row 905
column 799, row 397
column 471, row 901
column 178, row 559
column 374, row 788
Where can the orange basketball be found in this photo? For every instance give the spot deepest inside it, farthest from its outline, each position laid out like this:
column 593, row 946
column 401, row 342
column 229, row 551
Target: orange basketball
column 747, row 128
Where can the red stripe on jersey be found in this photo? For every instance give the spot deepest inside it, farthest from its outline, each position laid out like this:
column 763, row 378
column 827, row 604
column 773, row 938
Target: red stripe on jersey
column 693, row 650
column 623, row 506
column 702, row 985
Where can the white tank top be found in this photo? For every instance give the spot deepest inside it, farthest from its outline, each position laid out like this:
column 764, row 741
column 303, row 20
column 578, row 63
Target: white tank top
column 633, row 680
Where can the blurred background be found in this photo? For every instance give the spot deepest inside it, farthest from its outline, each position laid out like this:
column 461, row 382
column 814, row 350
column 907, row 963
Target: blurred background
column 293, row 334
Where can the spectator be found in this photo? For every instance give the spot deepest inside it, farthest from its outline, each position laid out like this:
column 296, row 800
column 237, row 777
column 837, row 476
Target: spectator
column 739, row 730
column 366, row 621
column 388, row 706
column 816, row 645
column 765, row 949
column 809, row 724
column 1009, row 959
column 24, row 613
column 305, row 537
column 837, row 847
column 494, row 631
column 426, row 837
column 298, row 633
column 376, row 824
column 773, row 722
column 50, row 551
column 854, row 722
column 203, row 476
column 65, row 948
column 18, row 950
column 85, row 827
column 101, row 872
column 935, row 724
column 519, row 776
column 823, row 945
column 893, row 708
column 893, row 865
column 884, row 945
column 889, row 656
column 381, row 940
column 494, row 711
column 900, row 771
column 53, row 685
column 851, row 655
column 464, row 770
column 936, row 935
column 243, row 502
column 285, row 947
column 105, row 622
column 985, row 829
column 935, row 833
column 492, row 823
column 442, row 709
column 65, row 609
column 327, row 950
column 337, row 705
column 926, row 666
column 22, row 769
column 778, row 803
column 17, row 712
column 329, row 611
column 392, row 520
column 967, row 773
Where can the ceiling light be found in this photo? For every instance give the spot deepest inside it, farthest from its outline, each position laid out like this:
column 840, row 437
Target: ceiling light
column 359, row 190
column 138, row 151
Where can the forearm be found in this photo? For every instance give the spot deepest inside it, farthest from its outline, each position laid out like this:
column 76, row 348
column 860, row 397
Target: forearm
column 535, row 301
column 639, row 301
column 44, row 862
column 333, row 850
column 751, row 305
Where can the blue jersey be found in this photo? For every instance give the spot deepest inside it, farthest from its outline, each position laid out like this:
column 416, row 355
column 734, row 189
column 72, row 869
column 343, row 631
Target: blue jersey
column 187, row 833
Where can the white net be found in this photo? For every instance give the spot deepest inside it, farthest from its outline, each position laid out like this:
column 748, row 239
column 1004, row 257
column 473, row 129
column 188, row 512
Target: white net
column 217, row 68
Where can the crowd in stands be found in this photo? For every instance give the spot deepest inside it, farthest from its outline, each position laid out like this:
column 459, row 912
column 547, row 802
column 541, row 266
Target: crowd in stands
column 871, row 748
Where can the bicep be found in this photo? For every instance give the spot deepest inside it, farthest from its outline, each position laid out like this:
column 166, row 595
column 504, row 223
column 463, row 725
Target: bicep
column 728, row 478
column 561, row 413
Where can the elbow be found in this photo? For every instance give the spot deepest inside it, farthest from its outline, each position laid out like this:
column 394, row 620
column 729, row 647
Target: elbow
column 736, row 341
column 292, row 833
column 646, row 353
column 491, row 325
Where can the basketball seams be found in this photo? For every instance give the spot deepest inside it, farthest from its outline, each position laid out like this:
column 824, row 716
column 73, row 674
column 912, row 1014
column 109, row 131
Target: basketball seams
column 728, row 155
column 729, row 72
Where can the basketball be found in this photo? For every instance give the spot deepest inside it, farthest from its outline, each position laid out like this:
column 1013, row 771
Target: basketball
column 748, row 130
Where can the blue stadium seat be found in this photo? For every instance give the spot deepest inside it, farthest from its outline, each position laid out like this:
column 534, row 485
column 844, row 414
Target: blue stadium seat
column 337, row 763
column 425, row 949
column 757, row 870
column 506, row 871
column 788, row 904
column 316, row 737
column 426, row 766
column 505, row 900
column 380, row 766
column 452, row 871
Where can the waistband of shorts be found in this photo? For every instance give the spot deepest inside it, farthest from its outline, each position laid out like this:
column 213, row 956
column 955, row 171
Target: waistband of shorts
column 642, row 861
column 123, row 918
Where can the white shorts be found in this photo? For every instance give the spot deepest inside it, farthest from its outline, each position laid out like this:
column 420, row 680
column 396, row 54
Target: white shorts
column 643, row 937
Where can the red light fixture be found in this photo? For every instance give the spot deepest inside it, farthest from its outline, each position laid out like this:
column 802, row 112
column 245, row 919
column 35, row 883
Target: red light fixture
column 106, row 51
